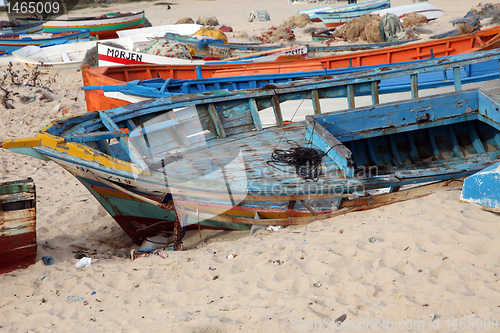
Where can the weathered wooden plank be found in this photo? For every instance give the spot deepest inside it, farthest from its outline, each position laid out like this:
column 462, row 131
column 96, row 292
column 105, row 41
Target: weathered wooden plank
column 14, row 197
column 315, row 100
column 375, row 97
column 309, row 208
column 350, row 96
column 457, row 79
column 216, row 120
column 95, row 136
column 277, row 111
column 255, row 114
column 414, row 85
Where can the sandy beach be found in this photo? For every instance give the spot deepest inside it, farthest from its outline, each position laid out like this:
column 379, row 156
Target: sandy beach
column 434, row 266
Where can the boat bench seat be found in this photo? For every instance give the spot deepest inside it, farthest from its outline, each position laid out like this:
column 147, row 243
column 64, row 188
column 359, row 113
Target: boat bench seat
column 65, row 57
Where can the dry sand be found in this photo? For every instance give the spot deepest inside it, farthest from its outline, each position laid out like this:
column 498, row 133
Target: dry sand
column 435, row 257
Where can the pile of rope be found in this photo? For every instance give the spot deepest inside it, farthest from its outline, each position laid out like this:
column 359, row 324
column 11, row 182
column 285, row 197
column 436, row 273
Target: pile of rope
column 307, row 161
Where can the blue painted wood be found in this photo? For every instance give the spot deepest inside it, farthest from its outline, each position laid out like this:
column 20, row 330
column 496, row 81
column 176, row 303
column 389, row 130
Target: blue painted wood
column 366, row 7
column 483, row 189
column 456, row 78
column 96, row 136
column 478, row 145
column 129, row 149
column 14, row 41
column 454, row 142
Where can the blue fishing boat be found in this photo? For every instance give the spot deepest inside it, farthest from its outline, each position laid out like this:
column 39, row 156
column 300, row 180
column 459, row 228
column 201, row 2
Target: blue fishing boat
column 352, row 8
column 333, row 18
column 480, row 66
column 205, row 161
column 20, row 26
column 16, row 41
column 483, row 189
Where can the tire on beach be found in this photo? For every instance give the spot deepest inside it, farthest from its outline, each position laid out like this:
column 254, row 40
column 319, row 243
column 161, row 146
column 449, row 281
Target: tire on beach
column 91, row 56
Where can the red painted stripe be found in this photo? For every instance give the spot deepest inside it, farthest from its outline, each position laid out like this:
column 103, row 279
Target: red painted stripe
column 116, row 60
column 12, row 242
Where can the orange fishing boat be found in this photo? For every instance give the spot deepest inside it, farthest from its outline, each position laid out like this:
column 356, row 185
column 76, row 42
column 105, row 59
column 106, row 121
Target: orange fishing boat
column 96, row 100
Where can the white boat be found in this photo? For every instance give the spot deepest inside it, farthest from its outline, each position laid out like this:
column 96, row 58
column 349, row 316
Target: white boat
column 145, row 34
column 112, row 56
column 428, row 10
column 62, row 57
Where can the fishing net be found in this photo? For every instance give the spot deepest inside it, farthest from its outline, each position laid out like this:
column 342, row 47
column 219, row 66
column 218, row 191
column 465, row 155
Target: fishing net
column 169, row 49
column 307, row 161
column 277, row 34
column 413, row 19
column 299, row 20
column 356, row 29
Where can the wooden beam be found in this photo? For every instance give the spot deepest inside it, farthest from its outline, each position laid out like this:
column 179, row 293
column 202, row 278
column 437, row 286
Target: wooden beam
column 216, row 120
column 315, row 100
column 95, row 136
column 457, row 79
column 277, row 110
column 414, row 85
column 255, row 114
column 375, row 98
column 350, row 96
column 309, row 208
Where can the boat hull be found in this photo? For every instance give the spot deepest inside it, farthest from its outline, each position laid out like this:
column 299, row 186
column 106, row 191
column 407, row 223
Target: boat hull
column 103, row 28
column 61, row 57
column 17, row 225
column 338, row 17
column 29, row 28
column 11, row 43
column 483, row 189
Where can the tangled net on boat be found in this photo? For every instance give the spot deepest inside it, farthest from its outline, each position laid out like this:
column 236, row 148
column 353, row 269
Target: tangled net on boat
column 169, row 49
column 306, row 160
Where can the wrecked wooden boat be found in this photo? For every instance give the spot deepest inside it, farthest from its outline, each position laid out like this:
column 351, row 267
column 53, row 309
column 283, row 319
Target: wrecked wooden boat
column 204, row 160
column 483, row 188
column 480, row 66
column 17, row 224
